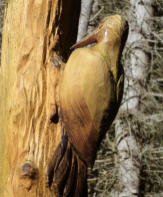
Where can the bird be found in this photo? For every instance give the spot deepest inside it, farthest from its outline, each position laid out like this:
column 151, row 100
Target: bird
column 90, row 94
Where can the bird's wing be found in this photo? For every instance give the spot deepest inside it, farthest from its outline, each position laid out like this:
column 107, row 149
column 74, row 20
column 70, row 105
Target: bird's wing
column 85, row 94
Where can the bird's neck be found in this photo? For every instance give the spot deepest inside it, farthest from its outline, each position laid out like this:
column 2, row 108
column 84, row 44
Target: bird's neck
column 110, row 51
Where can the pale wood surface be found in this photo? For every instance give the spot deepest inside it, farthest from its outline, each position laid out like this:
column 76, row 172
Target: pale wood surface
column 28, row 91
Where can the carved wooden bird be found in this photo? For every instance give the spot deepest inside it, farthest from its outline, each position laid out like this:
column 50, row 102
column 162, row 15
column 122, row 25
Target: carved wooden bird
column 92, row 86
column 91, row 90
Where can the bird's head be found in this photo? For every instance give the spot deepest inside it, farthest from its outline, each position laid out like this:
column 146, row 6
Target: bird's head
column 111, row 29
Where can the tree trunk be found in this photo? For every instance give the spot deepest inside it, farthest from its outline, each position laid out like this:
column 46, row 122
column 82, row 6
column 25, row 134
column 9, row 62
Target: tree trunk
column 137, row 64
column 86, row 6
column 2, row 4
column 35, row 33
column 89, row 12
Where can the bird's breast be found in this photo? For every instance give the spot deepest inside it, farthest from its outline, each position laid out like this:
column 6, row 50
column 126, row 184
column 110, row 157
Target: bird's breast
column 87, row 99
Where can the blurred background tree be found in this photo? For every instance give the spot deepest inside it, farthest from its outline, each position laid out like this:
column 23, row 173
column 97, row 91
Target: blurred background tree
column 139, row 124
column 145, row 123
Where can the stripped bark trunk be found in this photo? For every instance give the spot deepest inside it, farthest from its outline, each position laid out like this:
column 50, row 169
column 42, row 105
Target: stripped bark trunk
column 137, row 64
column 29, row 76
column 2, row 4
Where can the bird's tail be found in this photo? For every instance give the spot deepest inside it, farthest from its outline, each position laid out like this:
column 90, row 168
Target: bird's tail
column 67, row 173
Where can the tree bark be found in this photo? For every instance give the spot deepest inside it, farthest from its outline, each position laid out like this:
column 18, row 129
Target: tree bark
column 35, row 33
column 88, row 9
column 86, row 6
column 137, row 64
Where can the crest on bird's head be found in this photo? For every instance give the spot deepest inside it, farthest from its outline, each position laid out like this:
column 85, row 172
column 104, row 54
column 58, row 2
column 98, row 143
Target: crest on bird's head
column 110, row 28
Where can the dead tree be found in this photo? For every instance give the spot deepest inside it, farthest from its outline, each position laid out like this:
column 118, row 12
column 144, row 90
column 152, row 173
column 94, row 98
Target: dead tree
column 35, row 33
column 137, row 63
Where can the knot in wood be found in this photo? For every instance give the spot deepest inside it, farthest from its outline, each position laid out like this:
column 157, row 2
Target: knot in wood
column 28, row 170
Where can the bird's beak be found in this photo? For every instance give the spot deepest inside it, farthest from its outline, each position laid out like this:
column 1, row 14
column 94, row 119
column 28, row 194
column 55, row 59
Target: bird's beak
column 89, row 39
